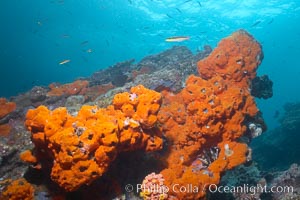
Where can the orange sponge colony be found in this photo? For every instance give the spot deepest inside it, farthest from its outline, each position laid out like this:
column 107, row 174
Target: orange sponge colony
column 18, row 189
column 83, row 146
column 5, row 108
column 204, row 121
column 236, row 57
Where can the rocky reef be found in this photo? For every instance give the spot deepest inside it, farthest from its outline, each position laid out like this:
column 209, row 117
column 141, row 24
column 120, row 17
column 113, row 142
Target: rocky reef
column 273, row 162
column 282, row 141
column 187, row 117
column 257, row 183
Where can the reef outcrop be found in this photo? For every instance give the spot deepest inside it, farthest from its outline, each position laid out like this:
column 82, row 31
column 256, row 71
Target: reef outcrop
column 201, row 127
column 204, row 122
column 80, row 148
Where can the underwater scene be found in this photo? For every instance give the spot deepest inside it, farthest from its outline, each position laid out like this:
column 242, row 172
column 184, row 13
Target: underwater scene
column 149, row 100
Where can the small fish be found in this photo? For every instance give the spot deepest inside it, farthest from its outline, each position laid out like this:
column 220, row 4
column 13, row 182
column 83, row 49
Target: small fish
column 65, row 62
column 186, row 1
column 65, row 36
column 169, row 16
column 84, row 43
column 199, row 3
column 89, row 50
column 256, row 23
column 178, row 10
column 271, row 21
column 177, row 39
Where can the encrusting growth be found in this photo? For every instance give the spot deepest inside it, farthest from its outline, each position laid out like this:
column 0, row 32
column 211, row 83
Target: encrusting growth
column 83, row 146
column 204, row 121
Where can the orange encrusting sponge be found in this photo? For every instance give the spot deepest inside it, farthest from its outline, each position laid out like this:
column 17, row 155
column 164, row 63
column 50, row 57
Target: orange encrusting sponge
column 6, row 108
column 18, row 189
column 83, row 146
column 204, row 121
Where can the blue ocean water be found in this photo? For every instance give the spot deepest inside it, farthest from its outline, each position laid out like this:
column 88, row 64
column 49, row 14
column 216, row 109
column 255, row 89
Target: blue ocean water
column 37, row 35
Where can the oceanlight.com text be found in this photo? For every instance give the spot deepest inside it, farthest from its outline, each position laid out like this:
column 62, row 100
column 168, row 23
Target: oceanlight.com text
column 213, row 188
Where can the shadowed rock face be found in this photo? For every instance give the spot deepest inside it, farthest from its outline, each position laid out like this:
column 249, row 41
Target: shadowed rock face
column 262, row 87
